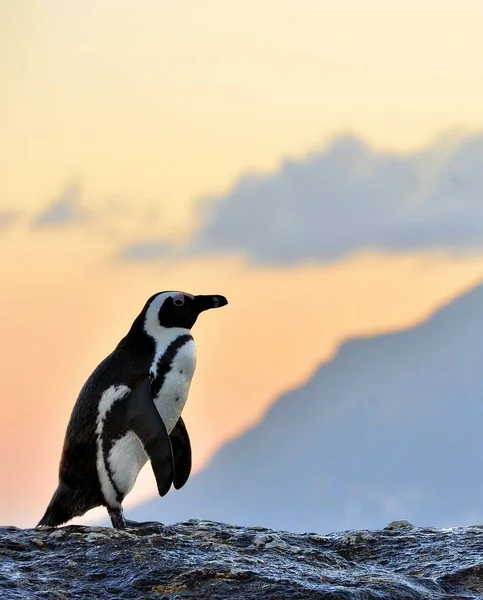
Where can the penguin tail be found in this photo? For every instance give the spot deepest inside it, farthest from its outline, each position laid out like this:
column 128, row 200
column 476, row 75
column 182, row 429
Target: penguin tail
column 61, row 508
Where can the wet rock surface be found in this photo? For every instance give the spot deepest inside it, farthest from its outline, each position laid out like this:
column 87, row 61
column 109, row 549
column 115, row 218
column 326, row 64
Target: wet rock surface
column 206, row 560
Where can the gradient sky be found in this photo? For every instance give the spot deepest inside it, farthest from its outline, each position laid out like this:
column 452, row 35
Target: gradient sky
column 168, row 101
column 129, row 116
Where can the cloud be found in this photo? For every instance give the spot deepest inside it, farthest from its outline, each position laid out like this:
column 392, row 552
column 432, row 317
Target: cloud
column 146, row 251
column 348, row 197
column 6, row 219
column 64, row 210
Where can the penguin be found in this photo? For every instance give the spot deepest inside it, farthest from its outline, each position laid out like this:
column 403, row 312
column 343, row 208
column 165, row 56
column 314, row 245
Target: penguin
column 129, row 412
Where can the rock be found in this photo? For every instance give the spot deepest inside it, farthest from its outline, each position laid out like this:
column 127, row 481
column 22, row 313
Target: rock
column 268, row 540
column 207, row 560
column 95, row 537
column 356, row 537
column 399, row 525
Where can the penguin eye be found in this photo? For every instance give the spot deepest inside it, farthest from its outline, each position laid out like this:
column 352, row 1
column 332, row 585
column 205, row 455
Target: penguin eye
column 178, row 300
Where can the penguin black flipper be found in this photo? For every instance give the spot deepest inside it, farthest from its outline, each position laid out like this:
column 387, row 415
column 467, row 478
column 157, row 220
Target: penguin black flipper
column 146, row 422
column 181, row 445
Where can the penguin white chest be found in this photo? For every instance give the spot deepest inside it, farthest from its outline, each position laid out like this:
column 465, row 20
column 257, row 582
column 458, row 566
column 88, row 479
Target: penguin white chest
column 126, row 456
column 173, row 393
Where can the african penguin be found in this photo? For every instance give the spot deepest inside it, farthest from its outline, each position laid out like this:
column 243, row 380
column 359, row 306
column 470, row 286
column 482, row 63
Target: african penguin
column 129, row 411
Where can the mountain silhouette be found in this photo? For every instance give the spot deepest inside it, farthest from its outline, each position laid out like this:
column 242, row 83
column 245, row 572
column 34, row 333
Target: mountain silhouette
column 391, row 428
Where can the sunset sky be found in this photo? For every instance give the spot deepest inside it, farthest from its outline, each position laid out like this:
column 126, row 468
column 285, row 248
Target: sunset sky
column 318, row 162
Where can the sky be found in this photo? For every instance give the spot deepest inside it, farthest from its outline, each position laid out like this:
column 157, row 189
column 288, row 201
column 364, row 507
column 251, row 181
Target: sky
column 317, row 162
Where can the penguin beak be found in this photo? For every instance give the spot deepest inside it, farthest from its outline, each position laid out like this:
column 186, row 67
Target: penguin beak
column 206, row 302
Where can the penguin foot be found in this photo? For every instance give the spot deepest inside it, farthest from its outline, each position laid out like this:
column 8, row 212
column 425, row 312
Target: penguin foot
column 119, row 522
column 135, row 524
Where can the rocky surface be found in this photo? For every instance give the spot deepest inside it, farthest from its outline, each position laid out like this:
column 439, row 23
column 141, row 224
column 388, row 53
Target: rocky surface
column 206, row 560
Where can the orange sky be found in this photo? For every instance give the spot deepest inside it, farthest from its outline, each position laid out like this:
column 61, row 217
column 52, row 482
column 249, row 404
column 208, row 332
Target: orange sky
column 152, row 106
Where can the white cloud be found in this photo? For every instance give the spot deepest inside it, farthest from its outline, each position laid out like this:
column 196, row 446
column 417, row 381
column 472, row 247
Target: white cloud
column 64, row 210
column 348, row 197
column 146, row 251
column 6, row 219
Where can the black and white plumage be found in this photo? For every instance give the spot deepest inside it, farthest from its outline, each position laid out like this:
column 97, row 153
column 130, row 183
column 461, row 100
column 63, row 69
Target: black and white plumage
column 129, row 411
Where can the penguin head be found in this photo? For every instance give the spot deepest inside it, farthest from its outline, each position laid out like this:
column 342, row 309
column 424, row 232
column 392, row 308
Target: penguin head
column 177, row 309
